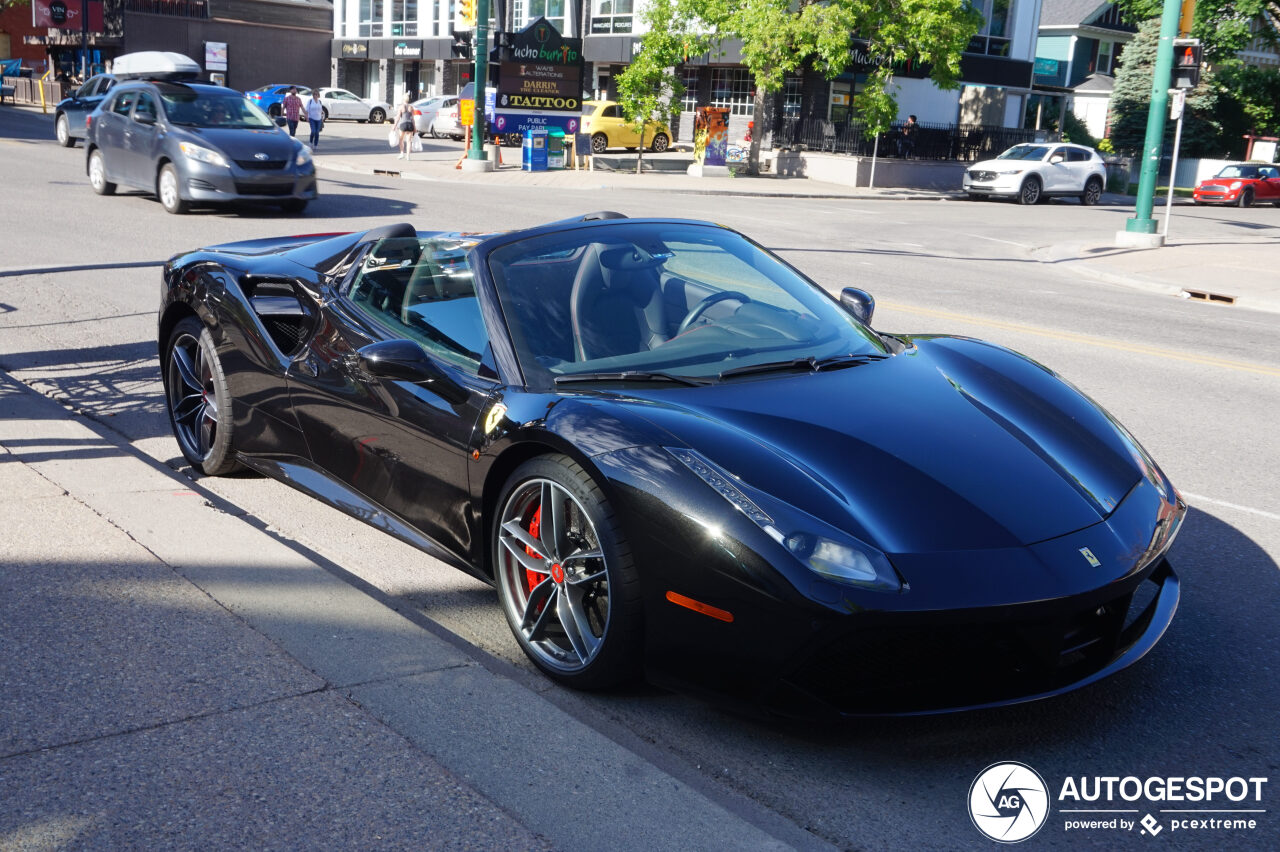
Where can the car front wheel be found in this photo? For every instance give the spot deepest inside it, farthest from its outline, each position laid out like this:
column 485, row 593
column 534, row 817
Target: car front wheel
column 198, row 400
column 167, row 190
column 599, row 143
column 1092, row 192
column 660, row 143
column 1030, row 191
column 378, row 115
column 98, row 175
column 565, row 575
column 63, row 131
column 1246, row 198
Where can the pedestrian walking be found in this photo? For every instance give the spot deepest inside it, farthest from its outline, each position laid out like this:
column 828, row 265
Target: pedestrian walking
column 292, row 109
column 404, row 124
column 907, row 141
column 315, row 115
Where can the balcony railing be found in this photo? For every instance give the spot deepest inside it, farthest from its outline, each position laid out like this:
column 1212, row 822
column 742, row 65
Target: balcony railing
column 171, row 8
column 930, row 141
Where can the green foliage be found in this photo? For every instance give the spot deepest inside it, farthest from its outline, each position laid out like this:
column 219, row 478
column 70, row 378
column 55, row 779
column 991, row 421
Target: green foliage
column 1256, row 92
column 1074, row 130
column 6, row 4
column 1223, row 26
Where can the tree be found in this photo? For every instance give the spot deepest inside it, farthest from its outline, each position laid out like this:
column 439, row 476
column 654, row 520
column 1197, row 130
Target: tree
column 779, row 36
column 649, row 90
column 7, row 4
column 1224, row 27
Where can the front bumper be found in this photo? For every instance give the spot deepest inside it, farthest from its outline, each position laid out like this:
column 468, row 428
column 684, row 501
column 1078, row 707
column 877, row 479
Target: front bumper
column 1216, row 196
column 207, row 182
column 990, row 183
column 981, row 658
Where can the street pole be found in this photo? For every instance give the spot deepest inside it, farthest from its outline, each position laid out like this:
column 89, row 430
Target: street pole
column 84, row 40
column 1142, row 223
column 481, row 79
column 1179, row 104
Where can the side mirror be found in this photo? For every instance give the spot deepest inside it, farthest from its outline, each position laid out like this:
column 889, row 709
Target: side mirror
column 404, row 360
column 1056, row 158
column 144, row 118
column 859, row 303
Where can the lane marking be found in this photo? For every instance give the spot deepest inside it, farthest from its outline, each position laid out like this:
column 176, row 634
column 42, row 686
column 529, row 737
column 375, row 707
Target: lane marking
column 1102, row 343
column 994, row 240
column 1271, row 516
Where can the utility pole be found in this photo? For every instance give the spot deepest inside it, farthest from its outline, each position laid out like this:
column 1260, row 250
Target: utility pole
column 481, row 81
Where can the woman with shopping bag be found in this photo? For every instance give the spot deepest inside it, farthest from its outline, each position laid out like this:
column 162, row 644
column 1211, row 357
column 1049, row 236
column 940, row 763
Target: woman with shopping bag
column 404, row 126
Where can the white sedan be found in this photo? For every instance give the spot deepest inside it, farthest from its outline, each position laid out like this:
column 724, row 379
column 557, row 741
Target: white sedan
column 1034, row 171
column 339, row 103
column 437, row 116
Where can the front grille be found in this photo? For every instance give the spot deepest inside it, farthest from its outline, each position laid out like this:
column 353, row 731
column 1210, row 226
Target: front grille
column 261, row 165
column 981, row 176
column 272, row 189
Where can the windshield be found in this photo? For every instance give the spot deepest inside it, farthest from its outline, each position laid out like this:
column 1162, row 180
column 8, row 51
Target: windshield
column 1239, row 172
column 192, row 109
column 1025, row 152
column 683, row 300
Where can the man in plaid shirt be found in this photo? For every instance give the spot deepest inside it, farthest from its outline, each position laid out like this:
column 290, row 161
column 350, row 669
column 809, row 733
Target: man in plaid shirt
column 292, row 107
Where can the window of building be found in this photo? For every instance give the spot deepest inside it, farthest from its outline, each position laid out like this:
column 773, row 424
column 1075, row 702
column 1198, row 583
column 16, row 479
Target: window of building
column 993, row 37
column 792, row 97
column 731, row 87
column 404, row 17
column 552, row 10
column 689, row 100
column 612, row 16
column 370, row 24
column 1104, row 58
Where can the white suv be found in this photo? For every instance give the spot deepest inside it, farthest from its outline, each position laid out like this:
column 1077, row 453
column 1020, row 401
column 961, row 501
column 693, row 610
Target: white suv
column 1034, row 171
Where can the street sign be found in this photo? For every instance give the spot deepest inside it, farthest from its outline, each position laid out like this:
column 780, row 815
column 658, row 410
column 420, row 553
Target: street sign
column 1177, row 102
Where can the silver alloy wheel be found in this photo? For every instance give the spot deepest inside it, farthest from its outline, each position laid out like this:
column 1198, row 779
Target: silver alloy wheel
column 193, row 402
column 1092, row 192
column 98, row 175
column 168, row 190
column 554, row 583
column 64, row 132
column 1030, row 191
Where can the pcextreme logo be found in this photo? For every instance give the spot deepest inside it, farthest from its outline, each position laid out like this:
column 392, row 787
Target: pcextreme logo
column 1009, row 802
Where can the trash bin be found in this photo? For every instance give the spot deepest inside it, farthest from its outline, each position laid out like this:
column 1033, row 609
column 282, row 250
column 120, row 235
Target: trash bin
column 555, row 148
column 533, row 153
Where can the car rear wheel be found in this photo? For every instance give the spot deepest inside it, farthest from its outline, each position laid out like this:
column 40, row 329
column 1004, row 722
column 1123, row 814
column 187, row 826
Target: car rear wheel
column 275, row 111
column 660, row 143
column 63, row 131
column 565, row 575
column 377, row 115
column 98, row 175
column 1092, row 192
column 1246, row 197
column 1030, row 191
column 167, row 190
column 599, row 143
column 198, row 400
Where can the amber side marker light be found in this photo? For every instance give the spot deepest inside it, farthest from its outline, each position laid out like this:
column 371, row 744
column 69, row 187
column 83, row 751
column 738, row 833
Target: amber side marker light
column 698, row 606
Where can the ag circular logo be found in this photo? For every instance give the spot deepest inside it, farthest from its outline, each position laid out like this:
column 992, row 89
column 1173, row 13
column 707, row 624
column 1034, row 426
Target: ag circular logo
column 1008, row 802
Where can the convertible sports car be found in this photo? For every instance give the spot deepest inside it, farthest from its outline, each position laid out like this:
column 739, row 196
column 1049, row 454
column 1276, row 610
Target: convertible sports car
column 672, row 453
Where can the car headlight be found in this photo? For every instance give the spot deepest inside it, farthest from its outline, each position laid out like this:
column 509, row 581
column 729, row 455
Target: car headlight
column 1011, row 171
column 203, row 154
column 304, row 156
column 828, row 552
column 1235, row 184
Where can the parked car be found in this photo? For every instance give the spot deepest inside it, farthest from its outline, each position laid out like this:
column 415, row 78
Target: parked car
column 670, row 452
column 610, row 129
column 195, row 143
column 1241, row 184
column 437, row 116
column 1034, row 171
column 270, row 98
column 70, row 113
column 339, row 103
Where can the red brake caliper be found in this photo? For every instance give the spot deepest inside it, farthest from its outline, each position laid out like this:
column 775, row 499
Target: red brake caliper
column 533, row 578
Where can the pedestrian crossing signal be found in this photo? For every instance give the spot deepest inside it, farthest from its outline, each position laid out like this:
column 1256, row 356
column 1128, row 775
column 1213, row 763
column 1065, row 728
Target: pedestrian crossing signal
column 1187, row 56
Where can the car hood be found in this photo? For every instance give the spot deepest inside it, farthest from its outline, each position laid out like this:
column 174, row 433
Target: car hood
column 951, row 445
column 1002, row 165
column 240, row 144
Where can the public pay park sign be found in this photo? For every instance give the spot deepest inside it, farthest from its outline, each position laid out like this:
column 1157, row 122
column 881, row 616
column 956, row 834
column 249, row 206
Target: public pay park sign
column 539, row 81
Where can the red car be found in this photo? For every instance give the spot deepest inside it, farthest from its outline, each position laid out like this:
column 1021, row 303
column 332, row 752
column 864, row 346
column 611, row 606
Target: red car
column 1240, row 184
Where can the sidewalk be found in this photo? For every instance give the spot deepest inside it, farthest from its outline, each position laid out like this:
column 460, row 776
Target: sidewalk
column 176, row 676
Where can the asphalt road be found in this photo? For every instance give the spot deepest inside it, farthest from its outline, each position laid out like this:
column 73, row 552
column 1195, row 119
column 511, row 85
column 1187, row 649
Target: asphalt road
column 1197, row 384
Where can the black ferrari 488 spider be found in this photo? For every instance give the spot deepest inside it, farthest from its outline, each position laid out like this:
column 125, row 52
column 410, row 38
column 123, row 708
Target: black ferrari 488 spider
column 672, row 453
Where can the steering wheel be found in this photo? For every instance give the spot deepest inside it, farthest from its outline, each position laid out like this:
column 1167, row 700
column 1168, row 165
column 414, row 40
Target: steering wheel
column 701, row 308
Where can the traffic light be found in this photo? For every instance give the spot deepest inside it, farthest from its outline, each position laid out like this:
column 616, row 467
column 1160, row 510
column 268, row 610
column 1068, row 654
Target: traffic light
column 467, row 12
column 1187, row 54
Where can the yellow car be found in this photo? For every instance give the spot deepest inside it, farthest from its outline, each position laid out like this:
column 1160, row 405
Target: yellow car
column 610, row 129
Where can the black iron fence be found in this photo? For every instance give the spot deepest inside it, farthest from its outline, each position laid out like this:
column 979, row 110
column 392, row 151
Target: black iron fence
column 927, row 141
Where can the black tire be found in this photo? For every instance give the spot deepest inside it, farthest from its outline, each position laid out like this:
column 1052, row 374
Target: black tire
column 377, row 115
column 1031, row 191
column 431, row 131
column 1092, row 192
column 275, row 111
column 167, row 191
column 62, row 129
column 661, row 142
column 580, row 619
column 98, row 174
column 599, row 143
column 1246, row 197
column 198, row 400
column 294, row 206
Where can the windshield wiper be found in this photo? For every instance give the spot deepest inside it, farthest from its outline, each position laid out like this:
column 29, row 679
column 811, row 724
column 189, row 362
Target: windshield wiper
column 808, row 365
column 629, row 376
